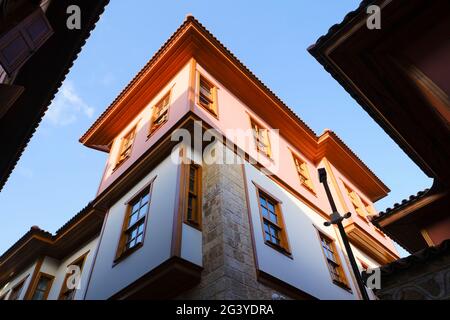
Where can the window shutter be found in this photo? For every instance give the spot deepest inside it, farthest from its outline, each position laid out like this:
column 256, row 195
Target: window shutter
column 18, row 44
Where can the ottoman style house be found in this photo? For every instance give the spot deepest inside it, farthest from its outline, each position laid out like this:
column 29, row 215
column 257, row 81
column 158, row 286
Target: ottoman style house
column 167, row 223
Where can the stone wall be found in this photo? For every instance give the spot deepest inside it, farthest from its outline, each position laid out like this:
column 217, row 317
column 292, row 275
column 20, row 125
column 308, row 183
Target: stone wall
column 228, row 261
column 418, row 278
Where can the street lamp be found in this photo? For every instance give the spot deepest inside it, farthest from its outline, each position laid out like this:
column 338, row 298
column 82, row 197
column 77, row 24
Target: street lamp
column 336, row 219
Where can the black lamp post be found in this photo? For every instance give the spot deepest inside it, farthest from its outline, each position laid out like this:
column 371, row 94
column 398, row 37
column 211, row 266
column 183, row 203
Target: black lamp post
column 336, row 218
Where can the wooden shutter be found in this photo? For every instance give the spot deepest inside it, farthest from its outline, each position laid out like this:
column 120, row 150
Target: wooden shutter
column 19, row 44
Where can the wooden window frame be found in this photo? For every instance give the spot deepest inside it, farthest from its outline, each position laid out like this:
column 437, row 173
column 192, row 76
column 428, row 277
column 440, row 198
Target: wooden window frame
column 35, row 286
column 284, row 246
column 64, row 288
column 121, row 251
column 359, row 206
column 152, row 129
column 303, row 176
column 119, row 161
column 196, row 220
column 20, row 284
column 212, row 108
column 256, row 127
column 344, row 283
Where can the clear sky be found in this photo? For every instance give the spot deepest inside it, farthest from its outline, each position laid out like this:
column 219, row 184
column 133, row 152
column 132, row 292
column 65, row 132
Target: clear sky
column 57, row 176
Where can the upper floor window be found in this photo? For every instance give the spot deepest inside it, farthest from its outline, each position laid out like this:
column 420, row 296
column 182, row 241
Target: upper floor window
column 358, row 204
column 133, row 230
column 72, row 279
column 272, row 222
column 333, row 261
column 193, row 208
column 16, row 290
column 126, row 145
column 303, row 173
column 207, row 95
column 261, row 136
column 43, row 286
column 160, row 113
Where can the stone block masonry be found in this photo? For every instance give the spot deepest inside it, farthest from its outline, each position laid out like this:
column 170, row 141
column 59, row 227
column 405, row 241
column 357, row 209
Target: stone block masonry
column 228, row 261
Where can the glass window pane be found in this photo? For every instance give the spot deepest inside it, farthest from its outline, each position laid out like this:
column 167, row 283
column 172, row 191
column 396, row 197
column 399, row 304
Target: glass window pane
column 264, row 212
column 135, row 207
column 42, row 285
column 262, row 201
column 145, row 198
column 133, row 219
column 38, row 295
column 271, row 207
column 143, row 210
column 273, row 218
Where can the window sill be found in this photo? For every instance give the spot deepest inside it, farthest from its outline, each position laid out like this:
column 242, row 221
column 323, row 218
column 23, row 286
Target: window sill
column 118, row 164
column 211, row 112
column 151, row 133
column 343, row 286
column 193, row 224
column 280, row 249
column 127, row 253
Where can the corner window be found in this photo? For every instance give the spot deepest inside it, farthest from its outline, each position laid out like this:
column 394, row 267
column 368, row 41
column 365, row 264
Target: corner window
column 193, row 213
column 160, row 113
column 261, row 137
column 207, row 95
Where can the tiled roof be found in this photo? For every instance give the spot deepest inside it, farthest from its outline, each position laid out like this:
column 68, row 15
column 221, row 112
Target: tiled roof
column 347, row 148
column 421, row 257
column 36, row 231
column 348, row 17
column 92, row 21
column 191, row 20
column 398, row 206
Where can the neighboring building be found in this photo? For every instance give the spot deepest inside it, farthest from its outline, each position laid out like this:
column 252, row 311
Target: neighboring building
column 400, row 74
column 37, row 50
column 178, row 225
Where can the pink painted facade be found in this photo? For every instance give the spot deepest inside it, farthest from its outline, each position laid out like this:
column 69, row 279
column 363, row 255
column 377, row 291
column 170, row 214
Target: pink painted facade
column 232, row 114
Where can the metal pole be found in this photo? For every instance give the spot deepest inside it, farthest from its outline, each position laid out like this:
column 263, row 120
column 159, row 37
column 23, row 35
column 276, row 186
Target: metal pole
column 336, row 218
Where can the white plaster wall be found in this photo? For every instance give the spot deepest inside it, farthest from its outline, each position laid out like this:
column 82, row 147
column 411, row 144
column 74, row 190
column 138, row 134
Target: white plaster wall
column 50, row 266
column 59, row 270
column 109, row 278
column 191, row 245
column 28, row 273
column 307, row 270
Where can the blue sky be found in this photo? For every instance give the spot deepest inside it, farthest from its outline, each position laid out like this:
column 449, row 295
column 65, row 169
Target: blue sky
column 57, row 176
